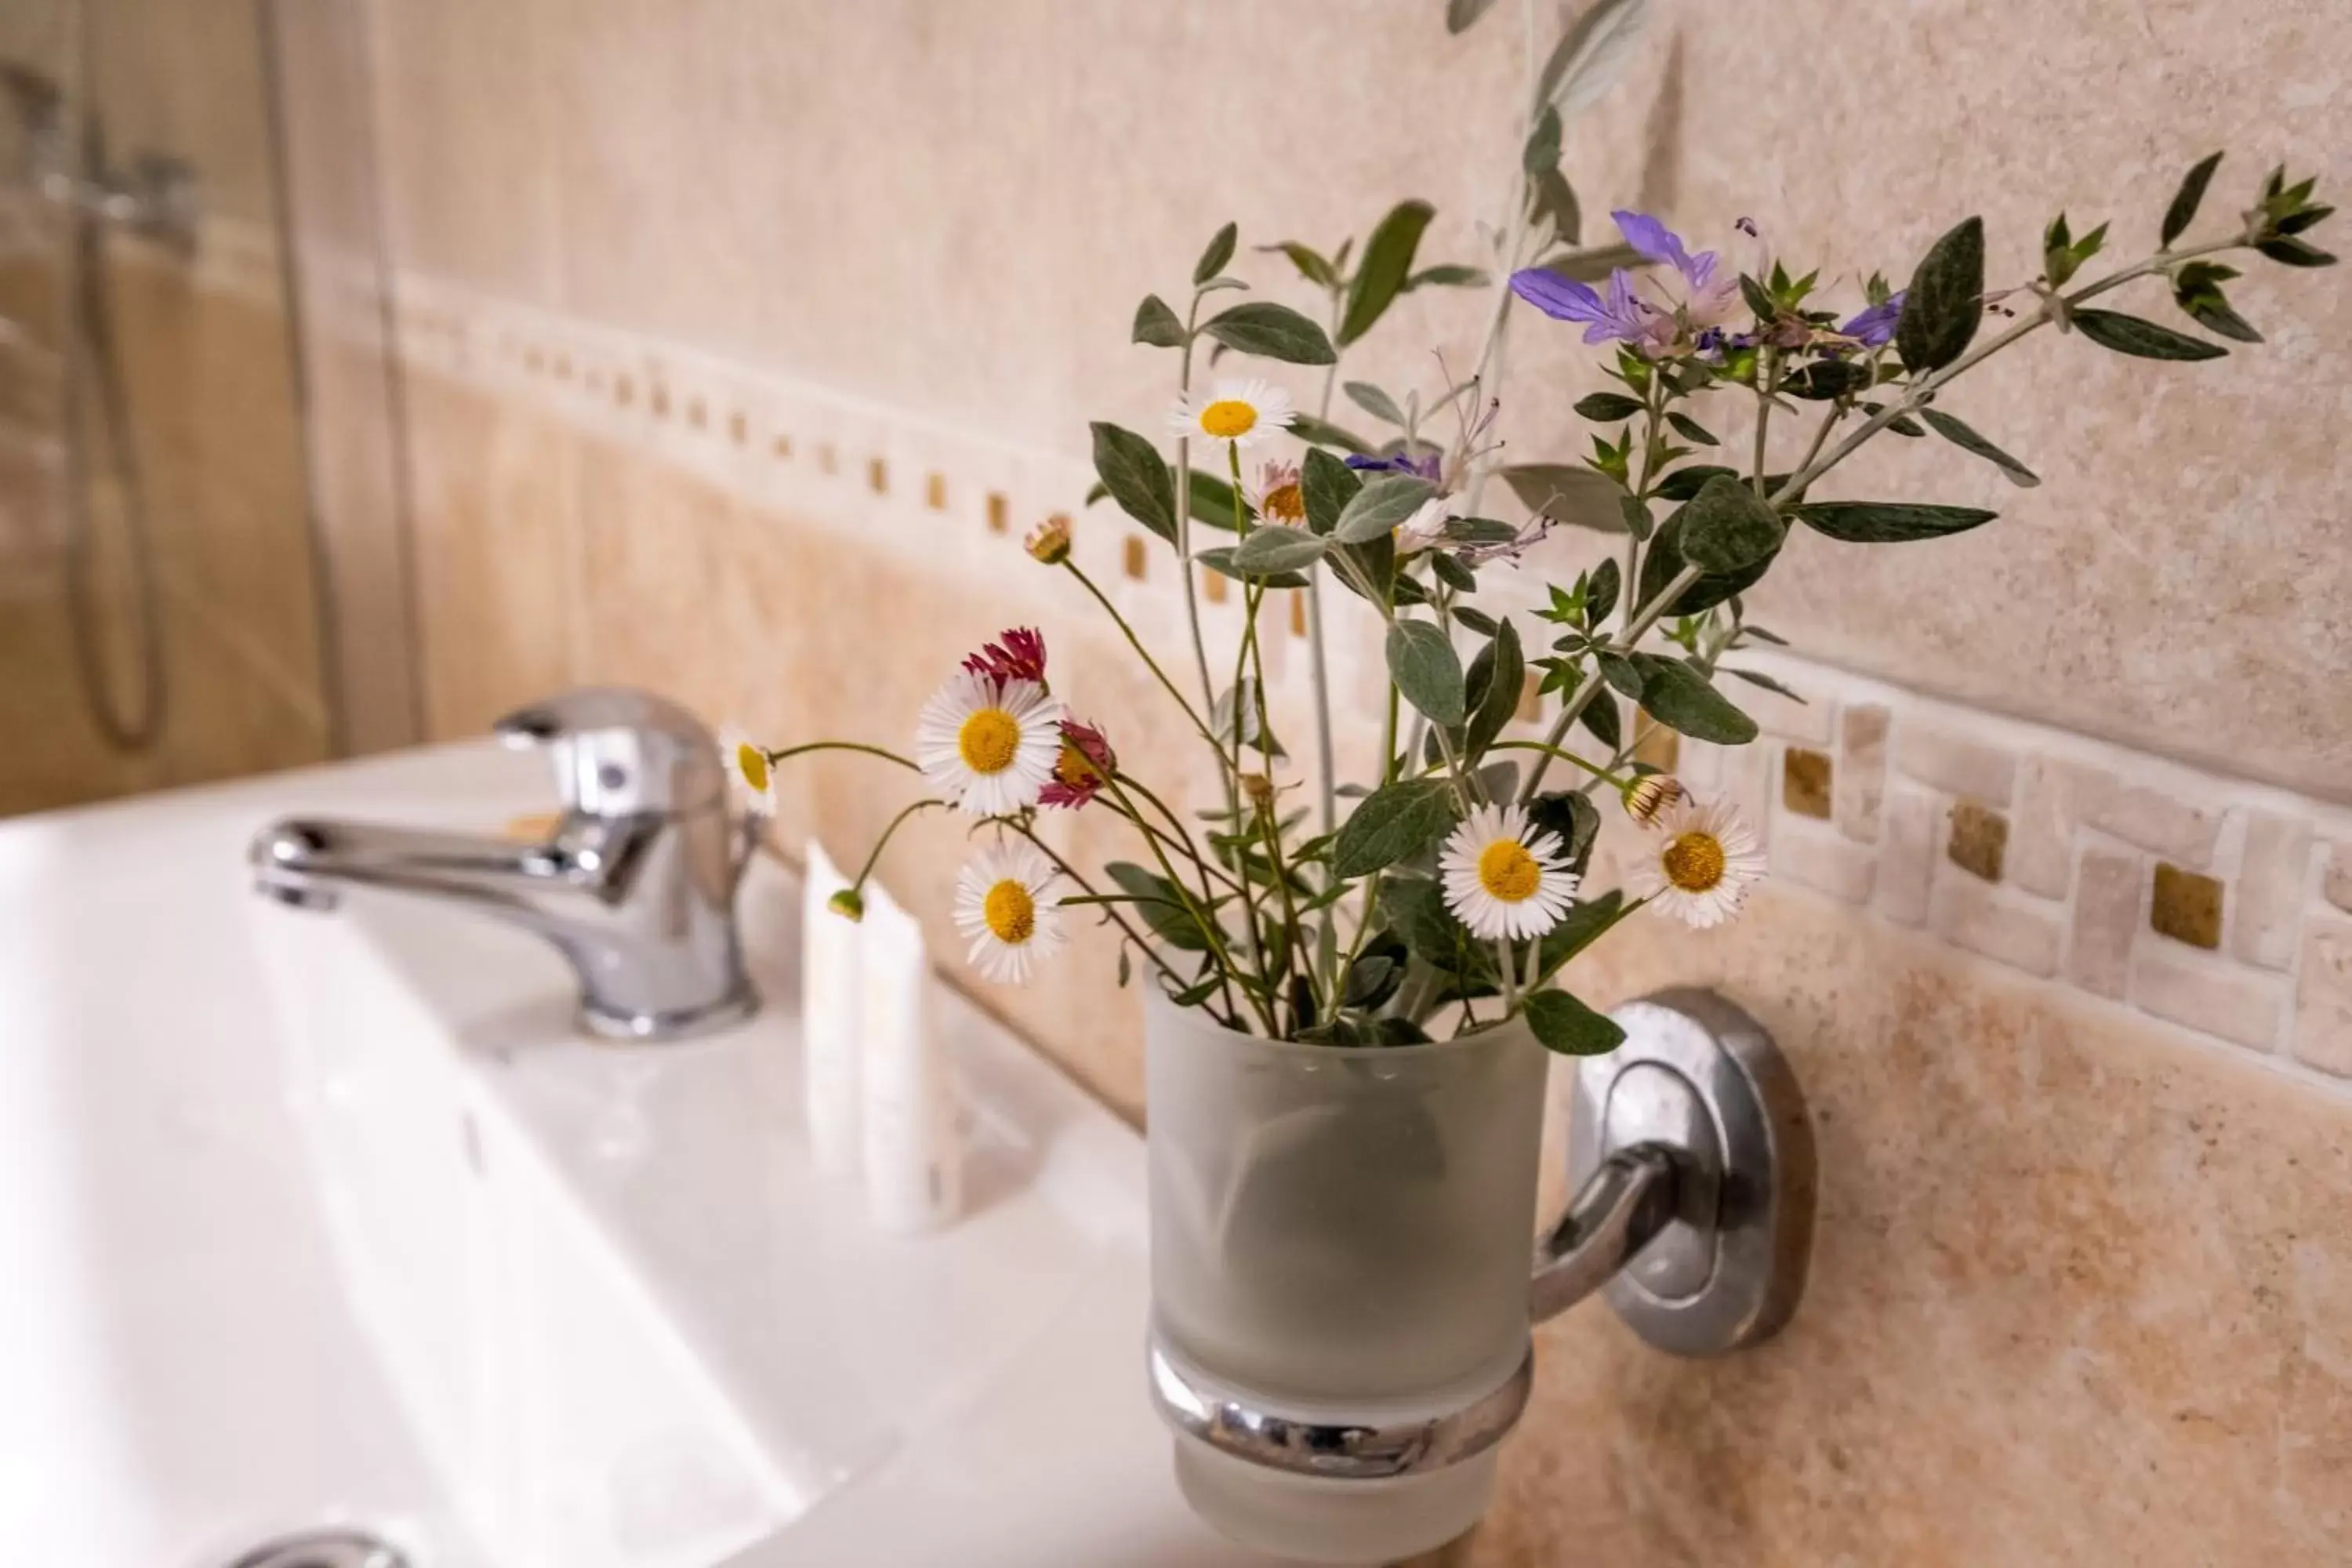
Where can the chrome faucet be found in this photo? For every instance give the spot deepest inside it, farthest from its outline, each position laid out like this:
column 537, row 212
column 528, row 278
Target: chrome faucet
column 635, row 887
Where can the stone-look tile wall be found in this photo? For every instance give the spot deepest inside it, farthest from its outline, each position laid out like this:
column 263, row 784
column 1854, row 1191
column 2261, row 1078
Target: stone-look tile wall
column 2085, row 1230
column 213, row 413
column 2085, row 1236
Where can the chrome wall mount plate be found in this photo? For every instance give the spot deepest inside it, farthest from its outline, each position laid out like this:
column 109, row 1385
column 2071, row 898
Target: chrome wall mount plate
column 1700, row 1077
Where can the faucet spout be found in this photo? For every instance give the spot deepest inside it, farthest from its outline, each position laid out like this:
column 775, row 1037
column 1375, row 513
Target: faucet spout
column 547, row 887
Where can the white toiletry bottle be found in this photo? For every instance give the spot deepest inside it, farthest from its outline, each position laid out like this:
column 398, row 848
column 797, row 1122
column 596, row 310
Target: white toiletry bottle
column 832, row 986
column 913, row 1131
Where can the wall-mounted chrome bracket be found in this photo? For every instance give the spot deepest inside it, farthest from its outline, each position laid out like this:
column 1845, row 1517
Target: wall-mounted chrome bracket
column 1691, row 1161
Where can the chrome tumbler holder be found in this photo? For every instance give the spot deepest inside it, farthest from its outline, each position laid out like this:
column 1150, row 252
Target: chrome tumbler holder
column 1692, row 1161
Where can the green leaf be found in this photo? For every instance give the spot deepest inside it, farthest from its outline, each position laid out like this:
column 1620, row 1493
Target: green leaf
column 1583, row 925
column 1568, row 814
column 1690, row 429
column 1213, row 260
column 1607, row 407
column 1968, row 440
column 1387, row 263
column 1595, row 265
column 1309, row 261
column 1622, row 673
column 1453, row 572
column 1211, row 501
column 1459, row 15
column 1602, row 589
column 2196, row 290
column 1220, row 561
column 1493, row 689
column 2142, row 339
column 1586, row 60
column 1384, row 502
column 1758, row 678
column 1326, row 485
column 1132, row 470
column 1679, row 697
column 1271, row 332
column 1727, row 526
column 1156, row 324
column 1426, row 669
column 1663, row 561
column 1416, row 909
column 1276, row 549
column 1601, row 717
column 1477, row 620
column 1685, row 483
column 1391, row 824
column 1567, row 1025
column 1373, row 401
column 1252, row 734
column 2183, row 210
column 2290, row 252
column 1888, row 523
column 1542, row 149
column 1368, row 980
column 1323, row 433
column 1826, row 378
column 1447, row 275
column 1162, row 909
column 1944, row 301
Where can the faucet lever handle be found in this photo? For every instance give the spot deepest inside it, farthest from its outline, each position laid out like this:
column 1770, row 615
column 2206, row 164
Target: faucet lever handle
column 618, row 752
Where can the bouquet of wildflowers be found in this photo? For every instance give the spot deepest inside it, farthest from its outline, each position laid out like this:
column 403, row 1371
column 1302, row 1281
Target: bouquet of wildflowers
column 1447, row 889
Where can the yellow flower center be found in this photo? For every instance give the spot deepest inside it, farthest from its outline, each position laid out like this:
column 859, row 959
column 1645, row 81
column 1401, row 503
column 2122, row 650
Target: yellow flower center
column 753, row 764
column 1073, row 766
column 1283, row 504
column 1010, row 911
column 1228, row 417
column 1693, row 862
column 1507, row 870
column 988, row 740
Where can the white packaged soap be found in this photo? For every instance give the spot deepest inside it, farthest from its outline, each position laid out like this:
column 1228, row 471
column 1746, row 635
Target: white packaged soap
column 832, row 986
column 912, row 1128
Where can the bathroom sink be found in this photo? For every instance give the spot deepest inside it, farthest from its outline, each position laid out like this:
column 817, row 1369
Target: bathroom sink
column 340, row 1219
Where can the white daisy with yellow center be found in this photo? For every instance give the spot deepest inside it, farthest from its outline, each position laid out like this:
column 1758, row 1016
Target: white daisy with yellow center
column 1276, row 496
column 989, row 746
column 1503, row 877
column 748, row 768
column 1703, row 860
column 1241, row 412
column 1004, row 903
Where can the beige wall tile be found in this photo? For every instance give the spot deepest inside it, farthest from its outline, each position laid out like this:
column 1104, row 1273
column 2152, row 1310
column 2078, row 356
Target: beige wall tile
column 1955, row 764
column 2211, row 996
column 1860, row 769
column 1968, row 913
column 2106, row 920
column 2323, row 1019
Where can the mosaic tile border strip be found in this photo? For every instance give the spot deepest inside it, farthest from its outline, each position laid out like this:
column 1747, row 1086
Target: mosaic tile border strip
column 2216, row 904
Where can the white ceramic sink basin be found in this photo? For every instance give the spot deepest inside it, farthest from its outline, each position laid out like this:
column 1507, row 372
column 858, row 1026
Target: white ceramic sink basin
column 312, row 1218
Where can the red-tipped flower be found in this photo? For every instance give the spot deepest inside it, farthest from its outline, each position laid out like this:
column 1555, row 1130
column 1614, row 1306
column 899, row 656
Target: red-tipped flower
column 1017, row 655
column 1086, row 764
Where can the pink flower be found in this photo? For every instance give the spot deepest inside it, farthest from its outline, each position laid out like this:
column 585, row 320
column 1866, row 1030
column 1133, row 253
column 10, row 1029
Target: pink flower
column 1019, row 654
column 1086, row 764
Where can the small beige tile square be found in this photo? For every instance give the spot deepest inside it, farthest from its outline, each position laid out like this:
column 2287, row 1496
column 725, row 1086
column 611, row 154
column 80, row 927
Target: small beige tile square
column 2186, row 906
column 999, row 520
column 1298, row 615
column 935, row 492
column 2323, row 1018
column 1805, row 777
column 1979, row 839
column 1212, row 584
column 1530, row 698
column 1134, row 557
column 1659, row 746
column 877, row 476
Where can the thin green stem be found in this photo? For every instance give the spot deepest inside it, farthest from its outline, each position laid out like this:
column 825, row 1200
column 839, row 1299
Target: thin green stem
column 888, row 757
column 874, row 856
column 1023, row 829
column 1589, row 687
column 1141, row 652
column 1600, row 774
column 1210, row 932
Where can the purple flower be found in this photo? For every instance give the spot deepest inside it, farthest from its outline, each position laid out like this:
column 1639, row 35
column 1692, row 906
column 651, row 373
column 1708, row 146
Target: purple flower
column 1620, row 318
column 1710, row 290
column 1875, row 326
column 1422, row 467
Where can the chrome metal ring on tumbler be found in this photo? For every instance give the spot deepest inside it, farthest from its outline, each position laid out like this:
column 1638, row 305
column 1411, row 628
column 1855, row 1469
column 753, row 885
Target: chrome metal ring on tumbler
column 1194, row 1405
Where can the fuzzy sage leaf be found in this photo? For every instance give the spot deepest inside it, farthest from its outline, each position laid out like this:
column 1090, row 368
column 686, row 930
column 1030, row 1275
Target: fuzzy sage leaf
column 1679, row 697
column 1220, row 250
column 1134, row 474
column 1727, row 526
column 1156, row 324
column 1279, row 549
column 2183, row 210
column 1383, row 502
column 1271, row 332
column 1390, row 825
column 1888, row 523
column 1426, row 669
column 1565, row 1025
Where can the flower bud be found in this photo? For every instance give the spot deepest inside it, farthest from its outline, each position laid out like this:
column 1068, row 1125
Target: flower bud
column 1259, row 789
column 1648, row 796
column 1049, row 542
column 848, row 903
